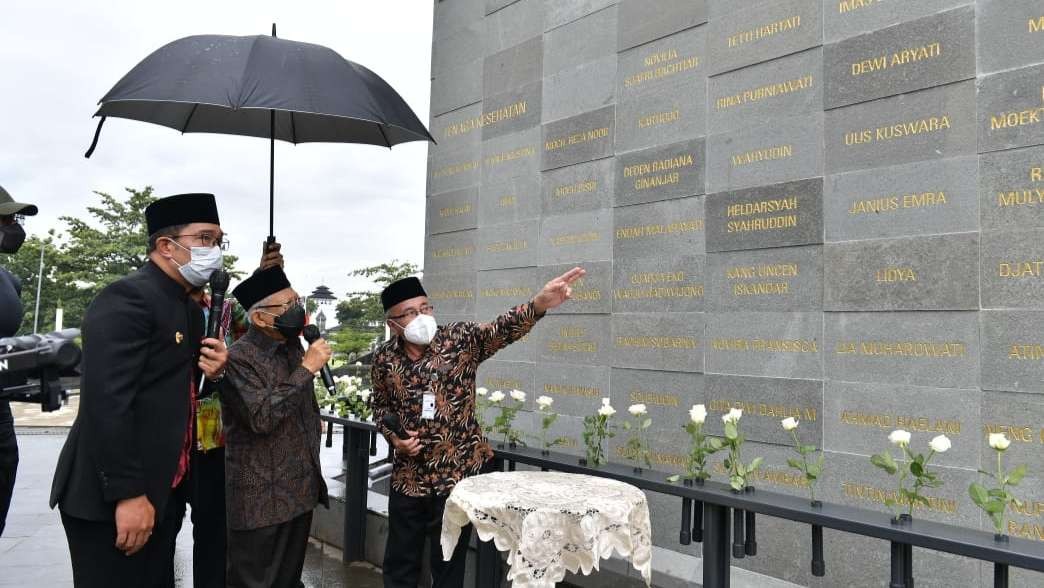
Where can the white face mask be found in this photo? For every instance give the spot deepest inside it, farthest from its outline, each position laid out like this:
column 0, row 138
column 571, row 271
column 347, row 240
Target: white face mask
column 205, row 261
column 421, row 330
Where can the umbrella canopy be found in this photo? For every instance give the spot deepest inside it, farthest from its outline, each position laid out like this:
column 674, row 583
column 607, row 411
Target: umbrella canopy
column 262, row 86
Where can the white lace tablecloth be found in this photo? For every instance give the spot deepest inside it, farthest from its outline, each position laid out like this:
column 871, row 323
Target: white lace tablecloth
column 550, row 523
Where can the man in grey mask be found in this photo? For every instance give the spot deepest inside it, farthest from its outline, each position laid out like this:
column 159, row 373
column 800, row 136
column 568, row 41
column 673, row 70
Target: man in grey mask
column 120, row 478
column 11, row 237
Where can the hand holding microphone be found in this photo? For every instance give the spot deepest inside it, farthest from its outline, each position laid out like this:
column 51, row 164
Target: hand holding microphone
column 317, row 355
column 404, row 441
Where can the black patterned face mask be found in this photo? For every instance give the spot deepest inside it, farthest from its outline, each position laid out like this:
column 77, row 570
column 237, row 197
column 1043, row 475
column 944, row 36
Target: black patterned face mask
column 11, row 238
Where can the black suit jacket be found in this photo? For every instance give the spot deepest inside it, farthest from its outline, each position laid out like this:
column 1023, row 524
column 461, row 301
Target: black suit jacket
column 141, row 339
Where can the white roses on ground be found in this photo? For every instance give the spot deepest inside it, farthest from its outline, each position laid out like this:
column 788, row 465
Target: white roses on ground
column 899, row 437
column 940, row 444
column 637, row 409
column 789, row 423
column 999, row 441
column 698, row 414
column 606, row 410
column 733, row 416
column 496, row 396
column 544, row 402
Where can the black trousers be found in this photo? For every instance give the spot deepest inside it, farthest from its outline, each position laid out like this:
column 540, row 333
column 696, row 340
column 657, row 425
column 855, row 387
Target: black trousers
column 8, row 461
column 97, row 563
column 269, row 557
column 206, row 496
column 411, row 522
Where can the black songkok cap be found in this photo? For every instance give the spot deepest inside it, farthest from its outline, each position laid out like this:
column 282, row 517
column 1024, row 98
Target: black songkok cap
column 181, row 209
column 400, row 290
column 260, row 286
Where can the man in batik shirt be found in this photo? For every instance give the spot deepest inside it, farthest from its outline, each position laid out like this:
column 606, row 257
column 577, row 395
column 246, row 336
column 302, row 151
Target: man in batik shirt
column 425, row 375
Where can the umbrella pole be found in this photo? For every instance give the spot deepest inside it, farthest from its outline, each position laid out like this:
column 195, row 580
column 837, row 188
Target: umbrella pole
column 271, row 178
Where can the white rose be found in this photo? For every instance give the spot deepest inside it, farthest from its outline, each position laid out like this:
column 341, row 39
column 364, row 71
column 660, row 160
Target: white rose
column 637, row 409
column 899, row 437
column 496, row 396
column 481, row 391
column 365, row 395
column 698, row 413
column 518, row 395
column 544, row 402
column 733, row 416
column 999, row 441
column 606, row 410
column 940, row 444
column 605, row 402
column 358, row 363
column 789, row 423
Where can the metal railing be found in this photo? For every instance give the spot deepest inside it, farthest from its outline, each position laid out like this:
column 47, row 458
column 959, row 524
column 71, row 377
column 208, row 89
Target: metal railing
column 705, row 515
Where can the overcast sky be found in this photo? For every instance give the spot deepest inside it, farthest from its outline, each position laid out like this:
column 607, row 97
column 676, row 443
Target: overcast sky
column 338, row 206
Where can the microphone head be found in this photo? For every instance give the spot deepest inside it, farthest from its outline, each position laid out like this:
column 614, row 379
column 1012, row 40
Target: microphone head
column 392, row 421
column 311, row 333
column 219, row 282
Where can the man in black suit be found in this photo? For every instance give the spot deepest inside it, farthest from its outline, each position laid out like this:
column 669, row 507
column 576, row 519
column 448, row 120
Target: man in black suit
column 119, row 478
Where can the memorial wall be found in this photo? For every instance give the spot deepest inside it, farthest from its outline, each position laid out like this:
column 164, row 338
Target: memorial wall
column 827, row 209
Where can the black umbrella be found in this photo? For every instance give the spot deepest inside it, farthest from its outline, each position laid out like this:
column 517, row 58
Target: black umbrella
column 262, row 86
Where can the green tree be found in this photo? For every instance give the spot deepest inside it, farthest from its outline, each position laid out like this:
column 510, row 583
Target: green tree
column 360, row 314
column 90, row 253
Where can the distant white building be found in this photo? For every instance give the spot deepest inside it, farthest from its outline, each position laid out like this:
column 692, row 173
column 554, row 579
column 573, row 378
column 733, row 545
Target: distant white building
column 326, row 308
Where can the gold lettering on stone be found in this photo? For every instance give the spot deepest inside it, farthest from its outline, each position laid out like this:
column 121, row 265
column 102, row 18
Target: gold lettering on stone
column 761, row 32
column 844, row 6
column 888, row 275
column 657, row 173
column 920, row 424
column 451, row 294
column 1031, row 351
column 759, row 155
column 1021, row 118
column 761, row 271
column 451, row 211
column 656, row 398
column 573, row 341
column 641, row 231
column 771, row 476
column 1036, row 25
column 453, row 252
column 649, row 342
column 662, row 64
column 576, row 139
column 575, row 239
column 670, row 291
column 502, row 383
column 805, row 413
column 880, row 495
column 456, row 168
column 762, row 207
column 574, row 189
column 486, row 119
column 901, row 57
column 931, row 124
column 896, row 202
column 1020, row 269
column 1018, row 433
column 659, row 118
column 510, row 155
column 507, row 246
column 932, row 349
column 508, row 201
column 508, row 292
column 766, row 345
column 573, row 390
column 763, row 92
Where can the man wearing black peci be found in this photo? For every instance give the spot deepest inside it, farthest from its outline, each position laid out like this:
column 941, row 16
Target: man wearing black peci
column 120, row 478
column 11, row 237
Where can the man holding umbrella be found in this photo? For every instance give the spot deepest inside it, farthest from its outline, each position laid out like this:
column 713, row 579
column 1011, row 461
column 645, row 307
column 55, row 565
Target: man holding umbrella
column 120, row 478
column 11, row 237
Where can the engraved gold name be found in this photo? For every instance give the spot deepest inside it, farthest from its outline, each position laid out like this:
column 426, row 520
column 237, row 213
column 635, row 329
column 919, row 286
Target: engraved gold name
column 764, row 31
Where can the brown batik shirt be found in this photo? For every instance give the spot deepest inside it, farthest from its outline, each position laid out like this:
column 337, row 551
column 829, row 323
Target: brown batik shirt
column 271, row 418
column 452, row 444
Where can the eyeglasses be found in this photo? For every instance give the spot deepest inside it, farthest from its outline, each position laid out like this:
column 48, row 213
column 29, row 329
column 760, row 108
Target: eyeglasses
column 284, row 305
column 413, row 312
column 208, row 240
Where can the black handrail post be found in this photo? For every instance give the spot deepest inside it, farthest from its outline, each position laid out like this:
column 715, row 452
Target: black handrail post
column 1000, row 575
column 715, row 546
column 908, row 564
column 355, row 491
column 898, row 567
column 750, row 543
column 818, row 564
column 697, row 523
column 373, row 443
column 487, row 565
column 737, row 533
column 686, row 519
column 329, row 433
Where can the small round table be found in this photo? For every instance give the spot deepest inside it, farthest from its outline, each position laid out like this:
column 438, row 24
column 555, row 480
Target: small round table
column 550, row 523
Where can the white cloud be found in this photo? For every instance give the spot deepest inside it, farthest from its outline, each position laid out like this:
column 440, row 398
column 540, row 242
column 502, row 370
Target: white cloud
column 338, row 206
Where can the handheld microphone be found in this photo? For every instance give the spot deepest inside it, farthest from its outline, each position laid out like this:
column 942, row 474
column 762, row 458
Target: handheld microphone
column 311, row 334
column 218, row 286
column 391, row 420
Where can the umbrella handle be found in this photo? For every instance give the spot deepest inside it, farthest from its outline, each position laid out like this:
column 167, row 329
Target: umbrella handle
column 94, row 143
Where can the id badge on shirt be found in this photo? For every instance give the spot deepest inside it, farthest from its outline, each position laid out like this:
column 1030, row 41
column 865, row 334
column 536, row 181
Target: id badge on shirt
column 428, row 406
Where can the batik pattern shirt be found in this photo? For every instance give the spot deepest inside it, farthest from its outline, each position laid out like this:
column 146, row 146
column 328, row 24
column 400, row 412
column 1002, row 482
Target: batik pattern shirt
column 452, row 443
